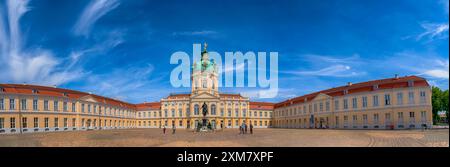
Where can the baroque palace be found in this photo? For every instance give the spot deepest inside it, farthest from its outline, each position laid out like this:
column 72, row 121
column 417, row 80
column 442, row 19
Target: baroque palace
column 393, row 103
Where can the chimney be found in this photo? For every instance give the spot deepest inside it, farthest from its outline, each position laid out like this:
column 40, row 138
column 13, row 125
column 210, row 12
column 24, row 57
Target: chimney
column 396, row 76
column 349, row 84
column 54, row 86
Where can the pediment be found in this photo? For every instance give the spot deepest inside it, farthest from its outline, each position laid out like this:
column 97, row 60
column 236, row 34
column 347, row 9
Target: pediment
column 204, row 95
column 88, row 98
column 321, row 96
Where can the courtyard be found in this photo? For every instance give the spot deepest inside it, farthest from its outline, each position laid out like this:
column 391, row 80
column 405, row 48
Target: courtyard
column 231, row 138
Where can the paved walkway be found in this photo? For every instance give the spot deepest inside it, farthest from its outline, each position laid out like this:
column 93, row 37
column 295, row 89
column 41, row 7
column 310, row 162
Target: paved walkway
column 231, row 137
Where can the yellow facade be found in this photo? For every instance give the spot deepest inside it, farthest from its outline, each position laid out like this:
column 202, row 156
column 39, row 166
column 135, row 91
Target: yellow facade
column 396, row 108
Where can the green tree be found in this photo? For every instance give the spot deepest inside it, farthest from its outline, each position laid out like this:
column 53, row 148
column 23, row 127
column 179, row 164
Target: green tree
column 444, row 102
column 436, row 102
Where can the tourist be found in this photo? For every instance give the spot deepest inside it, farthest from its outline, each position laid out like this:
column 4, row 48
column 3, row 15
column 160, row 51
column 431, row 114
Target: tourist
column 245, row 127
column 164, row 129
column 251, row 128
column 240, row 129
column 173, row 129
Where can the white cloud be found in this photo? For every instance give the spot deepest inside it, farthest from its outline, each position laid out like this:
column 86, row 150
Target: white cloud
column 37, row 66
column 132, row 83
column 434, row 31
column 354, row 59
column 94, row 11
column 331, row 71
column 423, row 64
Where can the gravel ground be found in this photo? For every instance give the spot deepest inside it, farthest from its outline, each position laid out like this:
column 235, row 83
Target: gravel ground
column 231, row 138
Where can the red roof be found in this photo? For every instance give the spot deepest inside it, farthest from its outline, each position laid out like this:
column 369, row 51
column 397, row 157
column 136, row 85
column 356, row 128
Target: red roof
column 388, row 83
column 261, row 106
column 60, row 92
column 149, row 105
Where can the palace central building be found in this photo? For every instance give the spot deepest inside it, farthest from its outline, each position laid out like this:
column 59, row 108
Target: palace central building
column 393, row 103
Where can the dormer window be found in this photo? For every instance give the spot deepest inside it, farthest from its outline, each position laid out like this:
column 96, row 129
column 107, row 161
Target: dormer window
column 345, row 92
column 375, row 87
column 65, row 94
column 410, row 83
column 35, row 91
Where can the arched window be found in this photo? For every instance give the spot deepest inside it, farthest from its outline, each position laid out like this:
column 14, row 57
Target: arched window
column 213, row 109
column 204, row 83
column 196, row 109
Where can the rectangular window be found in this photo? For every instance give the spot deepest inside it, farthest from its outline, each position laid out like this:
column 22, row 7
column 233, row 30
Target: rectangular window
column 23, row 103
column 2, row 123
column 55, row 105
column 65, row 122
column 46, row 122
column 180, row 113
column 221, row 112
column 422, row 97
column 35, row 104
column 321, row 107
column 74, row 120
column 46, row 105
column 236, row 113
column 82, row 108
column 65, row 106
column 73, row 107
column 315, row 107
column 375, row 100
column 56, row 122
column 411, row 114
column 387, row 99
column 364, row 102
column 400, row 115
column 237, row 123
column 399, row 98
column 345, row 104
column 24, row 122
column 336, row 105
column 36, row 122
column 327, row 106
column 375, row 118
column 89, row 108
column 12, row 105
column 173, row 113
column 411, row 98
column 12, row 122
column 355, row 102
column 2, row 105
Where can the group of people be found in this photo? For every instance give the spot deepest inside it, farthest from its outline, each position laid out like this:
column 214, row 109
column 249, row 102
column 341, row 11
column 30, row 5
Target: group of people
column 173, row 129
column 243, row 128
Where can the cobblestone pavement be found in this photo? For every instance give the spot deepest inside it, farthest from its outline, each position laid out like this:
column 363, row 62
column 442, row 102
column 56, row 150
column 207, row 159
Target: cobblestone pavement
column 231, row 138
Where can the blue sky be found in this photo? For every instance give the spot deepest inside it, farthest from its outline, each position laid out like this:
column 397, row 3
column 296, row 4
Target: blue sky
column 122, row 49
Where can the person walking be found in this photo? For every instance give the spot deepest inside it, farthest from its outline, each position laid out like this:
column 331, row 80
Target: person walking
column 164, row 129
column 245, row 127
column 173, row 129
column 240, row 129
column 251, row 128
